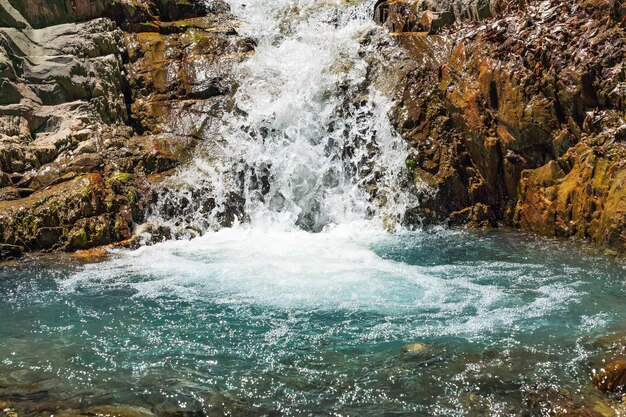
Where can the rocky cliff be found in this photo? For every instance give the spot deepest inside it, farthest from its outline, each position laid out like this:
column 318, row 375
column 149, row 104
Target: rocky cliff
column 98, row 100
column 514, row 111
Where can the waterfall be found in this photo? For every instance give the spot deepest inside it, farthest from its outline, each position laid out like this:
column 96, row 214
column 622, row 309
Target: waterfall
column 308, row 144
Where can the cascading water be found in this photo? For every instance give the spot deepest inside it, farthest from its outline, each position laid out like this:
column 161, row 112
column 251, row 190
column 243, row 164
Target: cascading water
column 265, row 317
column 309, row 144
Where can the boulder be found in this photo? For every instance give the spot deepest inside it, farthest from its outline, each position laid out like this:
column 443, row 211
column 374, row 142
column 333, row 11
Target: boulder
column 8, row 252
column 415, row 348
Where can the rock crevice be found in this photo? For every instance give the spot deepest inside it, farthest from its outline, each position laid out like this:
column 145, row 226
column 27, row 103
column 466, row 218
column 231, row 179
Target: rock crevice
column 516, row 117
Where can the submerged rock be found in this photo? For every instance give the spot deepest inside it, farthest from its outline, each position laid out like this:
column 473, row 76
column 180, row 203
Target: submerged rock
column 554, row 402
column 10, row 252
column 611, row 377
column 415, row 348
column 119, row 411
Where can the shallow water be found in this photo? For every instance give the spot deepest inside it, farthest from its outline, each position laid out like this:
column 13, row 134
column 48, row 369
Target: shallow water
column 266, row 318
column 257, row 321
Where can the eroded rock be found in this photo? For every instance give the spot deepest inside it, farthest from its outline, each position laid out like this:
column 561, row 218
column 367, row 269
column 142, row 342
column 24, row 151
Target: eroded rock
column 97, row 97
column 516, row 120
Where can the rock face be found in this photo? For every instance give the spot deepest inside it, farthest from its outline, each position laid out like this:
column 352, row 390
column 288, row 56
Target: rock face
column 96, row 97
column 432, row 15
column 517, row 119
column 514, row 111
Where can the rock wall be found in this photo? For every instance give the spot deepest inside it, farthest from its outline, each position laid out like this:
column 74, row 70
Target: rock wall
column 98, row 100
column 518, row 119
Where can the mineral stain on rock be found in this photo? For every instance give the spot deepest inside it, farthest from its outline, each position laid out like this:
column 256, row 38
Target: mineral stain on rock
column 515, row 113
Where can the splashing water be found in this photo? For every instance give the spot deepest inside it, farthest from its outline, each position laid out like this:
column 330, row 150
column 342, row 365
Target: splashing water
column 309, row 144
column 303, row 305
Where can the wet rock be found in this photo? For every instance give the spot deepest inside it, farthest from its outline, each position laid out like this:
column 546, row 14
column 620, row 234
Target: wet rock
column 188, row 408
column 613, row 342
column 415, row 348
column 222, row 404
column 43, row 13
column 70, row 413
column 7, row 410
column 86, row 212
column 428, row 15
column 510, row 123
column 119, row 411
column 554, row 402
column 97, row 98
column 431, row 22
column 611, row 377
column 178, row 75
column 585, row 200
column 9, row 252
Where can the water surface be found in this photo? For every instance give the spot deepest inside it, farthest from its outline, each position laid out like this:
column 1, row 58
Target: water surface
column 266, row 322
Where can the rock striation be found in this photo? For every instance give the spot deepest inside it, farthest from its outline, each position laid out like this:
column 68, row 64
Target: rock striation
column 98, row 101
column 514, row 112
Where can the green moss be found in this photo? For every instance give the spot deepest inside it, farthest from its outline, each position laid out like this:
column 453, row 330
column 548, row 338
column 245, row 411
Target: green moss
column 98, row 235
column 122, row 177
column 133, row 199
column 86, row 191
column 78, row 239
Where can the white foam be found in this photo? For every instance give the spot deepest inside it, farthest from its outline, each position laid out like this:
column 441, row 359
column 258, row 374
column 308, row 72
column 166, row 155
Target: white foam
column 336, row 270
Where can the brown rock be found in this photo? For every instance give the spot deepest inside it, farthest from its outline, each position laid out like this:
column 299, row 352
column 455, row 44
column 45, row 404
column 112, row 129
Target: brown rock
column 73, row 161
column 502, row 117
column 415, row 348
column 554, row 402
column 611, row 377
column 119, row 411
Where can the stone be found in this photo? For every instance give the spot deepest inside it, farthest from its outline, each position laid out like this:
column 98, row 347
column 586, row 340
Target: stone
column 90, row 119
column 8, row 252
column 180, row 78
column 611, row 377
column 83, row 213
column 8, row 412
column 119, row 411
column 187, row 408
column 615, row 341
column 432, row 22
column 555, row 402
column 415, row 348
column 5, row 180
